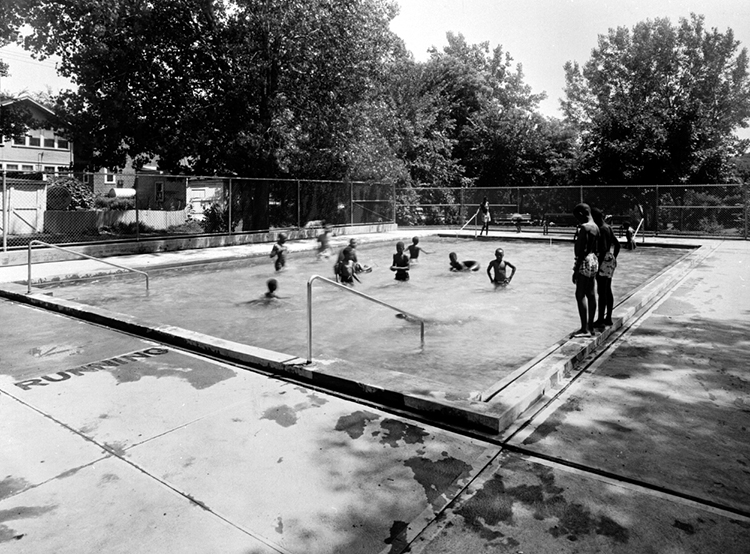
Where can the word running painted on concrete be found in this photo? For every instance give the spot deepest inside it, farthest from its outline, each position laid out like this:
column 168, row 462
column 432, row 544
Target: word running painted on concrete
column 60, row 376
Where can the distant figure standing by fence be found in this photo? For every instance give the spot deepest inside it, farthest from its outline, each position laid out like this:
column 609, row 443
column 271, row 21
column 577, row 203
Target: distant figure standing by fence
column 483, row 216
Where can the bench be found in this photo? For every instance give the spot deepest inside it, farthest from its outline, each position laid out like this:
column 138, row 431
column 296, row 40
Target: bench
column 511, row 219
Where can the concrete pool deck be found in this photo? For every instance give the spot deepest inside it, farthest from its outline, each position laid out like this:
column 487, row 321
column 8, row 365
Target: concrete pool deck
column 114, row 443
column 490, row 410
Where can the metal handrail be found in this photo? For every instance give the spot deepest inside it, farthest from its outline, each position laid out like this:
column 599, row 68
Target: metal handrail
column 28, row 282
column 467, row 223
column 343, row 287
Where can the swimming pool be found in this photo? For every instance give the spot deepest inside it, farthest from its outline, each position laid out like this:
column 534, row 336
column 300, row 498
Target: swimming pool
column 474, row 335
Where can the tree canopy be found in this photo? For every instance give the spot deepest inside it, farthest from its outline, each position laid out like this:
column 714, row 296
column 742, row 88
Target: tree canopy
column 659, row 103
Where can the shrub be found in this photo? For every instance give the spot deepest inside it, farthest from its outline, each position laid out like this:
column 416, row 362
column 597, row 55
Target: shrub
column 215, row 219
column 107, row 203
column 191, row 227
column 81, row 195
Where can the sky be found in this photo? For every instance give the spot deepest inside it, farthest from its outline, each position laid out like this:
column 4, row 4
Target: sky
column 540, row 34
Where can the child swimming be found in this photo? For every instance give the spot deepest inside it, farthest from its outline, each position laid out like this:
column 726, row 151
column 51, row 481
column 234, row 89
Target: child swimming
column 415, row 249
column 466, row 265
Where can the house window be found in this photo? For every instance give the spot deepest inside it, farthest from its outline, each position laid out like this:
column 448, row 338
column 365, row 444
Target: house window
column 21, row 141
column 27, row 168
column 62, row 143
column 49, row 169
column 109, row 177
column 160, row 192
column 12, row 167
column 49, row 143
column 35, row 141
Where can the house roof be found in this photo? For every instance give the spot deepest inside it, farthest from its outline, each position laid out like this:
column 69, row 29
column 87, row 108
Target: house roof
column 28, row 99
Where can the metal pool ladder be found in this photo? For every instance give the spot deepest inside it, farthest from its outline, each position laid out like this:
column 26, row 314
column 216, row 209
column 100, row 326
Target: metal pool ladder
column 365, row 296
column 31, row 243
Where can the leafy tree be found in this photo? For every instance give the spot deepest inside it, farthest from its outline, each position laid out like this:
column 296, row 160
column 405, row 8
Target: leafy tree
column 492, row 110
column 251, row 87
column 659, row 103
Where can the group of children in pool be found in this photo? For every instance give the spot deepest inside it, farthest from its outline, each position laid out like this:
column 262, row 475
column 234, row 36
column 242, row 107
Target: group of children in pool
column 596, row 250
column 347, row 267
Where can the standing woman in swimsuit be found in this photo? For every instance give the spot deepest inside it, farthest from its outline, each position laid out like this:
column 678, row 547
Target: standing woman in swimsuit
column 607, row 264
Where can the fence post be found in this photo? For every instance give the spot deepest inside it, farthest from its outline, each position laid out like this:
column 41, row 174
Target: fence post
column 395, row 199
column 461, row 217
column 229, row 223
column 5, row 213
column 656, row 212
column 299, row 207
column 137, row 218
column 744, row 198
column 351, row 203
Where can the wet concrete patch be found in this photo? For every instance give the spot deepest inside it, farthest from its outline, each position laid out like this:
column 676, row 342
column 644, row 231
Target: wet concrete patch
column 11, row 485
column 7, row 533
column 436, row 476
column 399, row 430
column 519, row 505
column 283, row 415
column 494, row 503
column 354, row 424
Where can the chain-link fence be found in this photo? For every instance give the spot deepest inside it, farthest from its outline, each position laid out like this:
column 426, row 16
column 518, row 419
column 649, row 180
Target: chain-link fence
column 76, row 208
column 89, row 207
column 716, row 210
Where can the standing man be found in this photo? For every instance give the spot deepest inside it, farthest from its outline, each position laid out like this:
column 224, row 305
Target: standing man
column 585, row 267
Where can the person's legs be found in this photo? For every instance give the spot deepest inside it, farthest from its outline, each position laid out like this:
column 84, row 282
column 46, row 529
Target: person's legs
column 601, row 291
column 586, row 300
column 591, row 298
column 581, row 302
column 610, row 300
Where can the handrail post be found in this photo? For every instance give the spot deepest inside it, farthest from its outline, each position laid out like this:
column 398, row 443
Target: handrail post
column 314, row 278
column 309, row 321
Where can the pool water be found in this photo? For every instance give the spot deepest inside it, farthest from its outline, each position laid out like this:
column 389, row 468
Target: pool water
column 475, row 333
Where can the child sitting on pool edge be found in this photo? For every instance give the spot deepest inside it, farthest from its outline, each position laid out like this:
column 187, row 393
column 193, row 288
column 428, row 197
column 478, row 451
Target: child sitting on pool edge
column 466, row 265
column 400, row 263
column 498, row 266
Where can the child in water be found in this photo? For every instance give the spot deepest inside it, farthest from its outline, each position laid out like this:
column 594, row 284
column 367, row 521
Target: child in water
column 279, row 252
column 273, row 286
column 466, row 265
column 498, row 266
column 270, row 296
column 400, row 263
column 345, row 269
column 415, row 249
